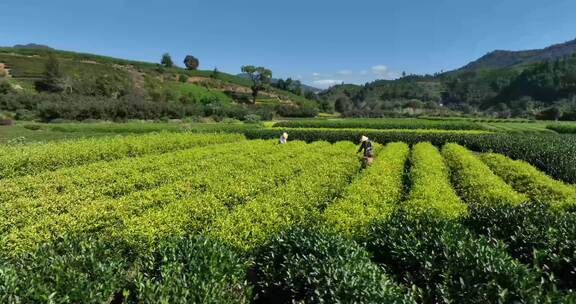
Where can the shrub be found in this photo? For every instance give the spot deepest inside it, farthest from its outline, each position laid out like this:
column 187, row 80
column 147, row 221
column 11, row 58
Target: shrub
column 374, row 195
column 191, row 270
column 562, row 128
column 475, row 182
column 303, row 266
column 449, row 264
column 528, row 180
column 252, row 118
column 431, row 191
column 534, row 234
column 322, row 172
column 368, row 123
column 34, row 159
column 73, row 269
column 553, row 154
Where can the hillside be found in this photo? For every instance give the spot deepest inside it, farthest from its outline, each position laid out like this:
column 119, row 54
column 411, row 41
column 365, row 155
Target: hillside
column 504, row 59
column 531, row 84
column 201, row 92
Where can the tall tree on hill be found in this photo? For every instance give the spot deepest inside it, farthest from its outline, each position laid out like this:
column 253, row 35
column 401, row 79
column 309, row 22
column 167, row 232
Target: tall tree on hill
column 167, row 60
column 53, row 78
column 191, row 62
column 260, row 77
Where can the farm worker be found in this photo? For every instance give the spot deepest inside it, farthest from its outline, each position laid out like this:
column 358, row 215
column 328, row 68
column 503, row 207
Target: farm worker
column 283, row 138
column 366, row 145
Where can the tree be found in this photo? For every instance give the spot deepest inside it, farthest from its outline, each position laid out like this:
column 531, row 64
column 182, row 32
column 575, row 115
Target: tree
column 53, row 79
column 215, row 73
column 191, row 62
column 260, row 77
column 167, row 60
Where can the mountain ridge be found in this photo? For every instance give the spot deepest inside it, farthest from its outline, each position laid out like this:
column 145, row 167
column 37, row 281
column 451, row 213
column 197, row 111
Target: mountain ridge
column 507, row 58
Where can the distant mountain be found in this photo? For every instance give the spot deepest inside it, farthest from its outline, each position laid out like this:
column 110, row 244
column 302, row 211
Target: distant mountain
column 508, row 83
column 32, row 46
column 504, row 59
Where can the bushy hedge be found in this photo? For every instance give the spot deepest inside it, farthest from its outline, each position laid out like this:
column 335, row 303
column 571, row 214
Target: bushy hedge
column 17, row 161
column 562, row 128
column 553, row 154
column 304, row 266
column 367, row 123
column 534, row 234
column 431, row 190
column 474, row 181
column 374, row 195
column 76, row 269
column 85, row 269
column 191, row 270
column 526, row 179
column 451, row 265
column 324, row 172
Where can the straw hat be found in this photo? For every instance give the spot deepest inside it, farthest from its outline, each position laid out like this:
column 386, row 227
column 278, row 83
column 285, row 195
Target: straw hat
column 285, row 135
column 363, row 138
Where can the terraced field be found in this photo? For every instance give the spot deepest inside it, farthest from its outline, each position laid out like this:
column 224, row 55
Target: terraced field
column 217, row 218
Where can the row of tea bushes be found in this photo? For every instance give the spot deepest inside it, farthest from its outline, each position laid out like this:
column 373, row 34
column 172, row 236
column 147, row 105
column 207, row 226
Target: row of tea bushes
column 534, row 234
column 449, row 264
column 217, row 184
column 553, row 154
column 373, row 195
column 26, row 160
column 367, row 123
column 431, row 190
column 526, row 179
column 84, row 269
column 297, row 202
column 475, row 182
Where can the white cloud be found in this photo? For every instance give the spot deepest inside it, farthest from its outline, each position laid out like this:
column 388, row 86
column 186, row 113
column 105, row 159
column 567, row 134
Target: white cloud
column 363, row 72
column 344, row 72
column 380, row 69
column 325, row 83
column 315, row 74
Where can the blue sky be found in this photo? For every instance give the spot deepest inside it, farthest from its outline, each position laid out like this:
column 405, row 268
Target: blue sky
column 321, row 42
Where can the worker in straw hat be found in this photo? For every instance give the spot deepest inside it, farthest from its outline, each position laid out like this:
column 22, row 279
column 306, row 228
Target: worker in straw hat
column 366, row 146
column 283, row 138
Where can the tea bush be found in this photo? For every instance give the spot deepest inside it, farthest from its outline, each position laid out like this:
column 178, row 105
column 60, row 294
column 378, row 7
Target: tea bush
column 307, row 266
column 431, row 191
column 474, row 181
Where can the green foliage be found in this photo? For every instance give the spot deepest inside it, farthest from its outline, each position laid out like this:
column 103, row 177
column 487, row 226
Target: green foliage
column 140, row 199
column 189, row 93
column 191, row 270
column 303, row 266
column 526, row 179
column 563, row 128
column 386, row 123
column 451, row 265
column 534, row 234
column 191, row 62
column 431, row 191
column 372, row 196
column 323, row 172
column 474, row 181
column 167, row 60
column 28, row 160
column 74, row 269
column 53, row 79
column 260, row 77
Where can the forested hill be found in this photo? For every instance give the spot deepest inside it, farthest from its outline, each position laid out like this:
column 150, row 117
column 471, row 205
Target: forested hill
column 38, row 82
column 504, row 59
column 531, row 84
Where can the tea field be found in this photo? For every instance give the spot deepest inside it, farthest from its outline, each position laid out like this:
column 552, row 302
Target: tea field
column 459, row 215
